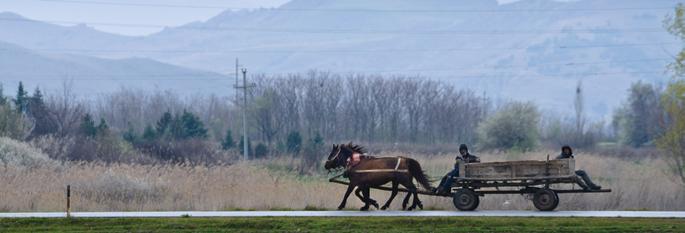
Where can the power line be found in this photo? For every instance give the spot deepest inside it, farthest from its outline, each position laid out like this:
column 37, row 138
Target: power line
column 356, row 31
column 592, row 74
column 412, row 50
column 198, row 76
column 281, row 9
column 140, row 4
column 503, row 67
column 498, row 75
column 213, row 77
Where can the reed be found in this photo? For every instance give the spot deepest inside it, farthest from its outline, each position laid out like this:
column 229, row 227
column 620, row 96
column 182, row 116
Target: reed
column 274, row 184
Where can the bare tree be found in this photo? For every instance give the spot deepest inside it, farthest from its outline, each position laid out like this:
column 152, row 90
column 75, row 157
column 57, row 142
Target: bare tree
column 66, row 108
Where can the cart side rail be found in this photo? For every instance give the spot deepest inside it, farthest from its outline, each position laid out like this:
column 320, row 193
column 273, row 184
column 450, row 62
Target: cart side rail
column 523, row 169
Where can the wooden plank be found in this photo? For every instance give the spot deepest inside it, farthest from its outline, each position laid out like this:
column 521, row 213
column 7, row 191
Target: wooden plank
column 529, row 191
column 518, row 178
column 524, row 169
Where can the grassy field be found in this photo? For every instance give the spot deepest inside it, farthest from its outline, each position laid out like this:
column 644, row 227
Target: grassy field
column 343, row 224
column 643, row 184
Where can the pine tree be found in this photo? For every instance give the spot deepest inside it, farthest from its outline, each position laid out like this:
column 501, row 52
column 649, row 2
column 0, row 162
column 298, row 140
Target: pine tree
column 312, row 150
column 21, row 99
column 260, row 151
column 44, row 122
column 176, row 128
column 3, row 99
column 103, row 128
column 164, row 123
column 192, row 126
column 130, row 135
column 317, row 142
column 294, row 142
column 37, row 97
column 88, row 127
column 228, row 142
column 149, row 133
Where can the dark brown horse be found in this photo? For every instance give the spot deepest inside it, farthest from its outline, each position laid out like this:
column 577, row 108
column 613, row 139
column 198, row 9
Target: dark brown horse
column 366, row 172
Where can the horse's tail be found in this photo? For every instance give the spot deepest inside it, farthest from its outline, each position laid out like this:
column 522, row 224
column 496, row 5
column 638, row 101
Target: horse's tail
column 418, row 173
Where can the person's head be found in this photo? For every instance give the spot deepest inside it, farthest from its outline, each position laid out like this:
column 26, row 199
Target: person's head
column 566, row 150
column 463, row 150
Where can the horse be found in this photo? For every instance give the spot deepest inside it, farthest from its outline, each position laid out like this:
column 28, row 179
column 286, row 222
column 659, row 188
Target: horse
column 366, row 172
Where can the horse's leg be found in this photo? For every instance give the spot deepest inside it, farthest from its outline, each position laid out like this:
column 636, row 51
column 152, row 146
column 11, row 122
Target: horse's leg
column 347, row 194
column 367, row 196
column 358, row 193
column 392, row 195
column 406, row 200
column 417, row 202
column 412, row 191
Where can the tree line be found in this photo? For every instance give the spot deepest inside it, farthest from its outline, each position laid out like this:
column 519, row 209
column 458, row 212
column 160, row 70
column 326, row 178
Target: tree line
column 295, row 113
column 292, row 114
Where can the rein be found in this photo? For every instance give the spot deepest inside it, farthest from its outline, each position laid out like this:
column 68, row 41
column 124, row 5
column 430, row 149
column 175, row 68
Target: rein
column 336, row 154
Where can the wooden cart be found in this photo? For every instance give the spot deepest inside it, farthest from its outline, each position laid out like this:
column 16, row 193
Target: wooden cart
column 529, row 177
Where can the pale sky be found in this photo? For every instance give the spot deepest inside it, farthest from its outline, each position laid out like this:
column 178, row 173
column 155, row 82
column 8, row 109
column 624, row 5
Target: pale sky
column 84, row 11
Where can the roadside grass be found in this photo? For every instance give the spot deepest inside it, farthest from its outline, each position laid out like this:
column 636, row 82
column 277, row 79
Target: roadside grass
column 343, row 224
column 276, row 184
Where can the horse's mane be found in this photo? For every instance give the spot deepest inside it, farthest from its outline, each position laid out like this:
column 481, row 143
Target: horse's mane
column 356, row 148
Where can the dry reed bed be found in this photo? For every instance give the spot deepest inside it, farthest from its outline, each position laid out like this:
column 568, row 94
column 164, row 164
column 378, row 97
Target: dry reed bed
column 270, row 185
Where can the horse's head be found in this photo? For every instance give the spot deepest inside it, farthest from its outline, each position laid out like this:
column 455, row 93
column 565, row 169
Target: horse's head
column 339, row 155
column 335, row 158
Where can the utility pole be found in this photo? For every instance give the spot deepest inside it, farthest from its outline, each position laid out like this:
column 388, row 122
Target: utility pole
column 245, row 87
column 236, row 73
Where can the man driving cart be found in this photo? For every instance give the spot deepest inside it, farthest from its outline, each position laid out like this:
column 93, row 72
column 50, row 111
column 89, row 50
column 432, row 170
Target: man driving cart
column 446, row 182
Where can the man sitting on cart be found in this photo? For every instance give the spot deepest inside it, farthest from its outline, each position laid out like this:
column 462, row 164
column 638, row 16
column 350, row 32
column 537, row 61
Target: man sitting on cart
column 446, row 182
column 586, row 183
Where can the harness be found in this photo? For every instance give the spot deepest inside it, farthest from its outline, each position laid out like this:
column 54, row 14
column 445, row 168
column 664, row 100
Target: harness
column 397, row 166
column 354, row 160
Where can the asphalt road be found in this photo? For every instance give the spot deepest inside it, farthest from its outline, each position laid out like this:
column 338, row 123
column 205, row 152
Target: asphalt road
column 609, row 214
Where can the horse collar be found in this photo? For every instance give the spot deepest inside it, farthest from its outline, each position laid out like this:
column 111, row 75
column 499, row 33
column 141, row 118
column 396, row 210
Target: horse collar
column 354, row 159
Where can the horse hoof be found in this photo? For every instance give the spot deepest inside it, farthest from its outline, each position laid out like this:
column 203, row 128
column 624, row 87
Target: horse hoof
column 384, row 208
column 341, row 207
column 421, row 206
column 365, row 208
column 375, row 205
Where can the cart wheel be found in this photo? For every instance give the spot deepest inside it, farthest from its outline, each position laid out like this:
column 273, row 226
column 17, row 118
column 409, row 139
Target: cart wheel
column 545, row 200
column 465, row 200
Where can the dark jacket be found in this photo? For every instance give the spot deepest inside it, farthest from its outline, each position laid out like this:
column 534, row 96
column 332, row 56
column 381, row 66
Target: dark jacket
column 468, row 158
column 565, row 156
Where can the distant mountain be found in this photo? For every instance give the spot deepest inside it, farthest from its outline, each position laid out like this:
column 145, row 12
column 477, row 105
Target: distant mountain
column 39, row 35
column 92, row 76
column 528, row 50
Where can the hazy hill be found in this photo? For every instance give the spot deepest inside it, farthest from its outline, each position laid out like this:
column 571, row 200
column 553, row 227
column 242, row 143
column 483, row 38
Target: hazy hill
column 529, row 50
column 93, row 76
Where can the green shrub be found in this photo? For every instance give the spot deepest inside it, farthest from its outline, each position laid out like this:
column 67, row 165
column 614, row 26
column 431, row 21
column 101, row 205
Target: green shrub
column 294, row 142
column 260, row 151
column 228, row 142
column 512, row 127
